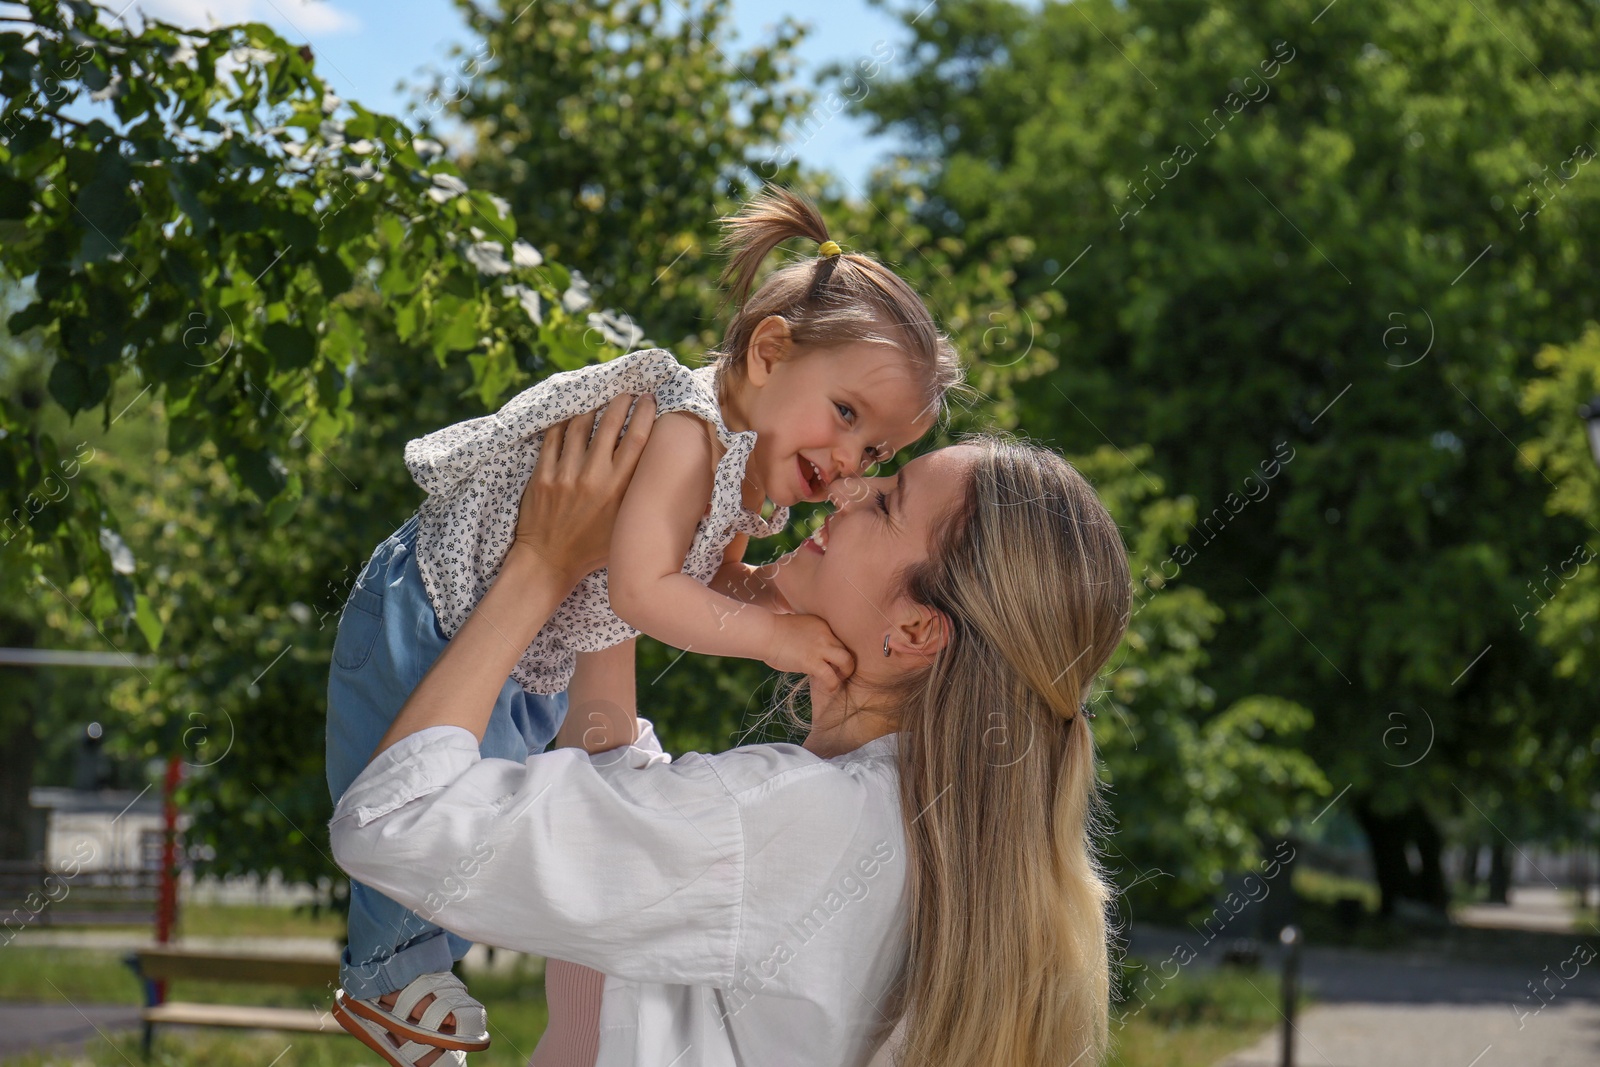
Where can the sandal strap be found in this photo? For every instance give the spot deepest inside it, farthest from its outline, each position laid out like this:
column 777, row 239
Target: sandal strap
column 450, row 996
column 471, row 1018
column 412, row 1051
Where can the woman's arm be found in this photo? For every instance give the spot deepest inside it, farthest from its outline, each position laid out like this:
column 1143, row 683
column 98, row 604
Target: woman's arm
column 602, row 712
column 642, row 867
column 622, row 862
column 650, row 592
column 568, row 509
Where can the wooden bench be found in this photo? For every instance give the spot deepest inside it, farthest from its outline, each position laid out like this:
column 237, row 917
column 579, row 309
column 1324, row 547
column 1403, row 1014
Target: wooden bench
column 162, row 963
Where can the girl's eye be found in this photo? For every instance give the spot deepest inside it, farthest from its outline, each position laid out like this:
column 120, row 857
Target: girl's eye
column 883, row 502
column 845, row 410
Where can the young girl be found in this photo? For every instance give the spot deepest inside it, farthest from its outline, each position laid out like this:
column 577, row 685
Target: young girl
column 833, row 365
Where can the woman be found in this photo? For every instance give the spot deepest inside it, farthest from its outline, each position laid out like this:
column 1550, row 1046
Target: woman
column 926, row 852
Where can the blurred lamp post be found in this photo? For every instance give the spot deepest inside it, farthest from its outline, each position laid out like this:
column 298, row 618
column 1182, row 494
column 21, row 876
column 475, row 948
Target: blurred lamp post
column 1290, row 936
column 1591, row 417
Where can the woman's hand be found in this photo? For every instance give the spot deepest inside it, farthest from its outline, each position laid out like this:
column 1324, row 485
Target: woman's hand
column 563, row 532
column 569, row 505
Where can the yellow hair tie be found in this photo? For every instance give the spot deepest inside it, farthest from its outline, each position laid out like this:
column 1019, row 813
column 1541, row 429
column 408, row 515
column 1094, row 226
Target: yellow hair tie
column 829, row 248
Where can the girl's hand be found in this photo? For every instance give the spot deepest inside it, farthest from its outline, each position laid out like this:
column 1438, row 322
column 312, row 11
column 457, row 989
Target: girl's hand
column 569, row 505
column 805, row 644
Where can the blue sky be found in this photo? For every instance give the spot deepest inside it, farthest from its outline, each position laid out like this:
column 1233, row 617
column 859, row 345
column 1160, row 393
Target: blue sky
column 365, row 47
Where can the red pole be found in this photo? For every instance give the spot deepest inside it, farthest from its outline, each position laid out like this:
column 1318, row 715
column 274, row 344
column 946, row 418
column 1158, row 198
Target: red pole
column 167, row 904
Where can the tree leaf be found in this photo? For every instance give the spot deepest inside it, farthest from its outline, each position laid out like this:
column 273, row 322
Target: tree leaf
column 149, row 623
column 290, row 346
column 69, row 384
column 36, row 314
column 16, row 198
column 455, row 326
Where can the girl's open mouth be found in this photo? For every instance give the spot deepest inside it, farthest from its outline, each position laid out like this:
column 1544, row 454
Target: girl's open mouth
column 811, row 475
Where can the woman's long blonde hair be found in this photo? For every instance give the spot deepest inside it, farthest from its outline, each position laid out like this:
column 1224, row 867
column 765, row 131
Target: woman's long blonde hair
column 1008, row 959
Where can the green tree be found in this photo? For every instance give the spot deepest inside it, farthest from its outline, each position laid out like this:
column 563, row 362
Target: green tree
column 1562, row 602
column 1564, row 598
column 211, row 245
column 619, row 132
column 1197, row 779
column 217, row 246
column 242, row 578
column 1335, row 234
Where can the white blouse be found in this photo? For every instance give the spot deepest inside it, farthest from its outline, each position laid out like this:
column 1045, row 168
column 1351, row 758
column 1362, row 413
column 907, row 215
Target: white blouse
column 746, row 907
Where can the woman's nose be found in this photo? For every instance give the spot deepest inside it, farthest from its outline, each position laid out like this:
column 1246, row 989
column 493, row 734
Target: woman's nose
column 847, row 491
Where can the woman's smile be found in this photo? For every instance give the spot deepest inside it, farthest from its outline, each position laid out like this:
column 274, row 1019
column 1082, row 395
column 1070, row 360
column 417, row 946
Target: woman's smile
column 818, row 541
column 848, row 571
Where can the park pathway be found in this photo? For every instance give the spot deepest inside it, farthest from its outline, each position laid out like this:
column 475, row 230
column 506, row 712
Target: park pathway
column 1477, row 1008
column 66, row 1027
column 1376, row 1011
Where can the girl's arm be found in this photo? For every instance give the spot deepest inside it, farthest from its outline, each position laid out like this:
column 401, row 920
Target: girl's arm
column 746, row 583
column 650, row 592
column 568, row 510
column 602, row 711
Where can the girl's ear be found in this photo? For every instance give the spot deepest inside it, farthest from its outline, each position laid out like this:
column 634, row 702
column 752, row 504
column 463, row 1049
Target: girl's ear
column 769, row 345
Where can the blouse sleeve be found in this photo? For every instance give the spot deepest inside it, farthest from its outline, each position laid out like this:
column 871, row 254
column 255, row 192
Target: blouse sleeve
column 624, row 861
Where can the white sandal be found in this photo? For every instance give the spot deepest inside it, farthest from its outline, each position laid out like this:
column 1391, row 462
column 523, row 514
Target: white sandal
column 450, row 997
column 375, row 1037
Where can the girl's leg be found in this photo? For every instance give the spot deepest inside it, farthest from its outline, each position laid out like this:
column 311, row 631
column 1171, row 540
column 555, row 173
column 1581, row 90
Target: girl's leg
column 388, row 638
column 533, row 717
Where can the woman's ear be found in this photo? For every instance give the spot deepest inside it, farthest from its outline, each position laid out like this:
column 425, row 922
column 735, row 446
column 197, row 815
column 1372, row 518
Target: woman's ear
column 769, row 345
column 923, row 633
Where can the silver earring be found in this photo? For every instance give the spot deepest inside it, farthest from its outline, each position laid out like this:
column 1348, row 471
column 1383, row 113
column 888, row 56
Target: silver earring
column 885, row 644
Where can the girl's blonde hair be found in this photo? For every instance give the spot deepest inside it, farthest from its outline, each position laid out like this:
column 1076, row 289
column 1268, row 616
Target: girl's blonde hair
column 1008, row 960
column 826, row 300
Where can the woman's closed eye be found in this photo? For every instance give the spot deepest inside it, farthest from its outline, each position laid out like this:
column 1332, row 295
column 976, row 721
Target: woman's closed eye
column 883, row 501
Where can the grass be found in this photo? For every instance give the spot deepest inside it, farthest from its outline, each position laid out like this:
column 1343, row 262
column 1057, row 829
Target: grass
column 57, row 975
column 1322, row 887
column 248, row 920
column 515, row 1000
column 1192, row 1020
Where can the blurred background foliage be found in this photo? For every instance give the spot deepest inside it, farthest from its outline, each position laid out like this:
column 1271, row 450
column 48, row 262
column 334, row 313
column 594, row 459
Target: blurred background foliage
column 1312, row 320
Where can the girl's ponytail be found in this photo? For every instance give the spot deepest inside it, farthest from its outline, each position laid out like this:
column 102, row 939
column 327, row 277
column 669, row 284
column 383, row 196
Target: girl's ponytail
column 770, row 218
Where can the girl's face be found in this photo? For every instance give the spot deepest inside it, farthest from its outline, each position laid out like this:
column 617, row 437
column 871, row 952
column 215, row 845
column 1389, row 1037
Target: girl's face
column 827, row 413
column 849, row 571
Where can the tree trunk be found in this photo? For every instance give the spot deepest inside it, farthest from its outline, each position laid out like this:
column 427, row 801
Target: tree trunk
column 1386, row 840
column 1432, row 887
column 1470, row 855
column 17, row 741
column 1398, row 879
column 1499, row 874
